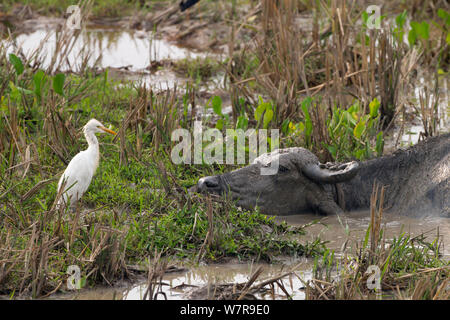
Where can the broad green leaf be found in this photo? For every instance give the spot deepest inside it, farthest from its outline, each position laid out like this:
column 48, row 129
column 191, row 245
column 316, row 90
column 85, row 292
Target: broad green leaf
column 379, row 144
column 359, row 129
column 400, row 19
column 308, row 127
column 424, row 30
column 259, row 112
column 269, row 141
column 219, row 124
column 365, row 118
column 306, row 103
column 242, row 122
column 23, row 90
column 412, row 37
column 285, row 126
column 421, row 30
column 359, row 154
column 444, row 15
column 332, row 150
column 374, row 106
column 354, row 108
column 268, row 115
column 216, row 103
column 414, row 26
column 350, row 117
column 364, row 17
column 16, row 92
column 38, row 80
column 58, row 83
column 308, row 123
column 17, row 63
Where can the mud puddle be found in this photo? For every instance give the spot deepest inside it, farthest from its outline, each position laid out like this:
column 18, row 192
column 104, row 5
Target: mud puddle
column 201, row 282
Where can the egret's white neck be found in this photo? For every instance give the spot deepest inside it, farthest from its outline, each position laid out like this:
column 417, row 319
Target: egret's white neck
column 93, row 149
column 91, row 140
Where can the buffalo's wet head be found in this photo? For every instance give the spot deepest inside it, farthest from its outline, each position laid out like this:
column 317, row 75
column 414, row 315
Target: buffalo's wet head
column 211, row 184
column 296, row 186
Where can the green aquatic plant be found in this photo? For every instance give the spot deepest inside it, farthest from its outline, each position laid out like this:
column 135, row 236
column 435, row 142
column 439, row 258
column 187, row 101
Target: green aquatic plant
column 351, row 134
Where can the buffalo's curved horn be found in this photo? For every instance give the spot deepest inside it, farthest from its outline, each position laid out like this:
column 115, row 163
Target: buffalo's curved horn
column 331, row 173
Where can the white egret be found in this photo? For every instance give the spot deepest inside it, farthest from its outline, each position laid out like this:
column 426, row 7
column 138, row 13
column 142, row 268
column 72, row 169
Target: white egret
column 78, row 174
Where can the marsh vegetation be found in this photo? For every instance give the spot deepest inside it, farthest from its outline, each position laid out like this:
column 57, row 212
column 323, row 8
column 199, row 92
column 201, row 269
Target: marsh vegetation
column 316, row 70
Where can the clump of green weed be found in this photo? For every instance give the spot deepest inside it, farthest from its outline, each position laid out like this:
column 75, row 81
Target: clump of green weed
column 199, row 68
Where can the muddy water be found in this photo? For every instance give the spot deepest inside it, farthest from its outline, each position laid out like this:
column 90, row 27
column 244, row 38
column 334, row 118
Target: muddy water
column 184, row 285
column 128, row 53
column 342, row 233
column 349, row 229
column 113, row 48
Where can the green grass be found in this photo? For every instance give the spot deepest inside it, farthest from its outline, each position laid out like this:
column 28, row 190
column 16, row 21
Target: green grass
column 199, row 69
column 100, row 8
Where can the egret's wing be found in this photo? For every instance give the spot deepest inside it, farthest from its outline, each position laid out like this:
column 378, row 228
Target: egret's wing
column 77, row 176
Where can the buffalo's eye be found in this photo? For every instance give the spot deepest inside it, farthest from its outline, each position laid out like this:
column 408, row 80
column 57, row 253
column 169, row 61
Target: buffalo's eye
column 282, row 169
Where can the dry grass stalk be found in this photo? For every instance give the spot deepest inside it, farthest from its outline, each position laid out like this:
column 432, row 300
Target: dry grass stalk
column 376, row 215
column 156, row 272
column 429, row 102
column 210, row 234
column 249, row 283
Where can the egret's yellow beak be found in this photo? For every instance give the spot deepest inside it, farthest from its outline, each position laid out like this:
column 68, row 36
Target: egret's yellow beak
column 108, row 130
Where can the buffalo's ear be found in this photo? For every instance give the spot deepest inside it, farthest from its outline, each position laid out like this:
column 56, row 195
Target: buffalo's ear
column 331, row 173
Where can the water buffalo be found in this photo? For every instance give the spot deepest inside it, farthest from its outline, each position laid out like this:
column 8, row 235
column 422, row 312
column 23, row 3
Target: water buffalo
column 416, row 181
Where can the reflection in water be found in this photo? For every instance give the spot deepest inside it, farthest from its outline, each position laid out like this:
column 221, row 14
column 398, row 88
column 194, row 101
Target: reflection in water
column 115, row 49
column 127, row 53
column 179, row 286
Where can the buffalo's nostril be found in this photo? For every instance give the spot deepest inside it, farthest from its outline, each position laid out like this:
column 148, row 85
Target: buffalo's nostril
column 211, row 184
